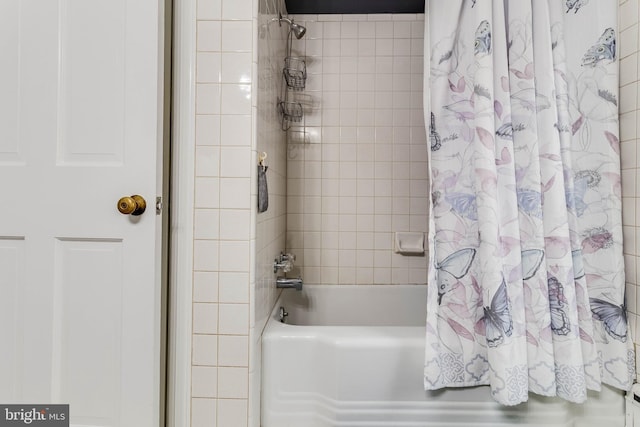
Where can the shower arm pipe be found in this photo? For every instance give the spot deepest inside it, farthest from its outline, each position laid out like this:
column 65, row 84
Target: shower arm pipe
column 297, row 30
column 281, row 18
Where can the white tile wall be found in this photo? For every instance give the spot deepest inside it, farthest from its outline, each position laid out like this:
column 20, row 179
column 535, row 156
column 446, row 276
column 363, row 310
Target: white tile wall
column 362, row 174
column 630, row 158
column 225, row 211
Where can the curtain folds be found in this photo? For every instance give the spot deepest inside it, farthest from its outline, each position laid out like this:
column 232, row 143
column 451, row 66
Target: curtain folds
column 526, row 269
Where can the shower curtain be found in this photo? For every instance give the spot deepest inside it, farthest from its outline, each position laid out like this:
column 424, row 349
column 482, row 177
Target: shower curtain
column 526, row 275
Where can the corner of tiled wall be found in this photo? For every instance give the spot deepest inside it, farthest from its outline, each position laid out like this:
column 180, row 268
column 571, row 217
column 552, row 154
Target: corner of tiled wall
column 630, row 158
column 239, row 47
column 270, row 225
column 223, row 235
column 362, row 173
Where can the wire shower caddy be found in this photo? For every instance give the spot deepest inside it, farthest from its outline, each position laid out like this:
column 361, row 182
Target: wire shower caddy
column 294, row 77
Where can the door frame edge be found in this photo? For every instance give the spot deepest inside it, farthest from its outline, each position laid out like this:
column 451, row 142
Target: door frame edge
column 182, row 210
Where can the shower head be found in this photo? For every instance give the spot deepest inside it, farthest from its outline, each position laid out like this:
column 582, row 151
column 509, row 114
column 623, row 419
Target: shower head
column 298, row 30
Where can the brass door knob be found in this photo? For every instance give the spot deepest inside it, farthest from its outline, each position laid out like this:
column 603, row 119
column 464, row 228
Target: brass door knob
column 132, row 205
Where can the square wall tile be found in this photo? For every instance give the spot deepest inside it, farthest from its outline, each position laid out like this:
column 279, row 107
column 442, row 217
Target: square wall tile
column 208, row 67
column 206, row 224
column 234, row 319
column 207, row 161
column 366, row 29
column 233, row 350
column 629, row 41
column 235, row 68
column 207, row 129
column 628, row 14
column 233, row 383
column 204, row 381
column 205, row 255
column 234, row 193
column 234, row 287
column 384, row 29
column 629, row 97
column 235, row 162
column 236, row 130
column 629, row 69
column 205, row 318
column 205, row 286
column 402, row 30
column 208, row 36
column 204, row 350
column 203, row 412
column 232, row 412
column 233, row 224
column 209, row 9
column 237, row 36
column 207, row 98
column 234, row 255
column 237, row 9
column 236, row 99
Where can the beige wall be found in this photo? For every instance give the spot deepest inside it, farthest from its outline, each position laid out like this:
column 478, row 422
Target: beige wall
column 362, row 173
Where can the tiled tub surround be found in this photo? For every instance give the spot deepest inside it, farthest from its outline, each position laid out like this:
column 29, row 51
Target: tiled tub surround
column 630, row 157
column 362, row 174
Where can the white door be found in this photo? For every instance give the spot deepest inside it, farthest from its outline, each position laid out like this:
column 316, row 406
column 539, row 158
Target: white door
column 80, row 127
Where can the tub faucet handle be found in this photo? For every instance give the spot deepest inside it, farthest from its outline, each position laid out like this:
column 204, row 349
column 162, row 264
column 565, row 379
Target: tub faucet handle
column 288, row 257
column 284, row 262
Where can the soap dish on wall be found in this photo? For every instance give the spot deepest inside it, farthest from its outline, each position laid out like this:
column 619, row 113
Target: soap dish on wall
column 408, row 243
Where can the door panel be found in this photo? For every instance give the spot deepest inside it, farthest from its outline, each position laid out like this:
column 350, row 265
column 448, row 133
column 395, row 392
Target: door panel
column 88, row 361
column 9, row 87
column 93, row 68
column 12, row 265
column 80, row 127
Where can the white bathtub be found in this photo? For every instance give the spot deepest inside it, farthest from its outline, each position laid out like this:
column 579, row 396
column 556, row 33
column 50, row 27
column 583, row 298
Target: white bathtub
column 353, row 356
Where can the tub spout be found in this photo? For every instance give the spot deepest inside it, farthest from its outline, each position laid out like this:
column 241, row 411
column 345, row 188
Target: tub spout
column 285, row 282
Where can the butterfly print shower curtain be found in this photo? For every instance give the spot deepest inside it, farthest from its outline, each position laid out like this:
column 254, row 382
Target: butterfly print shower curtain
column 526, row 277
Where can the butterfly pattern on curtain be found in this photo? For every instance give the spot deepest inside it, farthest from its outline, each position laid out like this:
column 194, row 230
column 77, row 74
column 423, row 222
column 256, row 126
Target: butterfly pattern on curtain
column 525, row 224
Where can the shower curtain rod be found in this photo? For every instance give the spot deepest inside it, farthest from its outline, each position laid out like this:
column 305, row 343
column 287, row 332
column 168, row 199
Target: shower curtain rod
column 354, row 6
